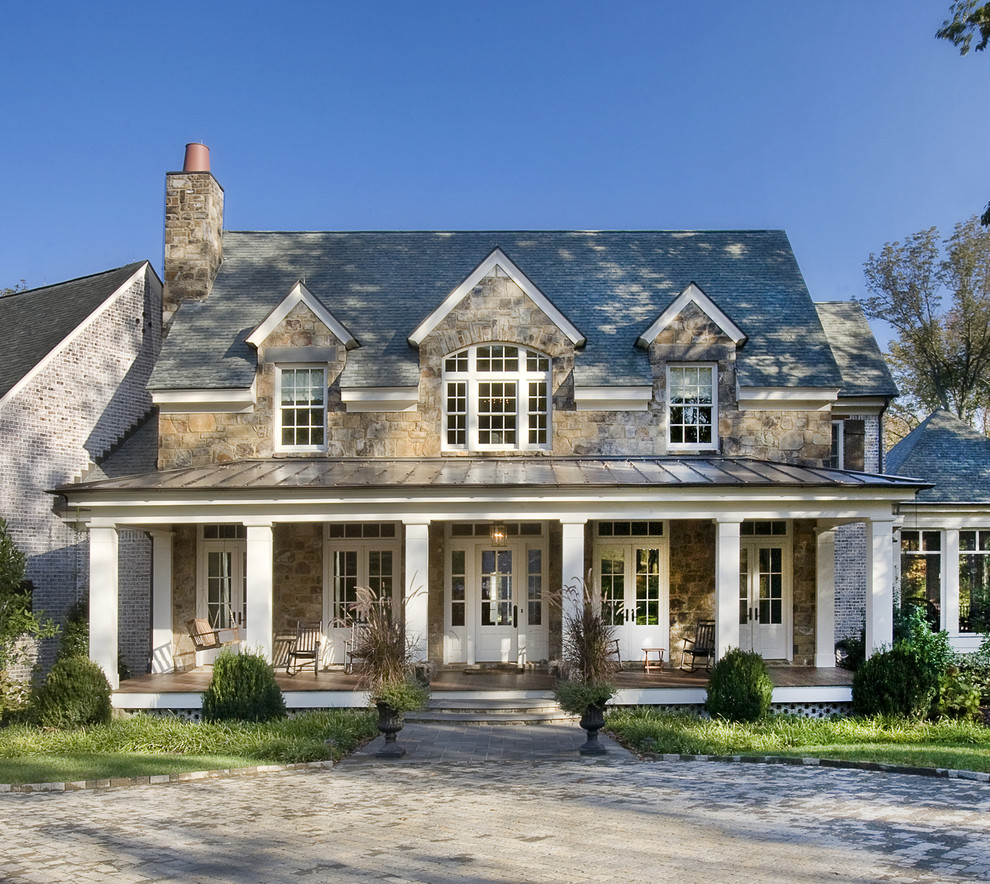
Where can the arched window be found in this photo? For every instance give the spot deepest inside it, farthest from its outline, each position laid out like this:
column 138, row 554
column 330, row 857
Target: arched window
column 496, row 397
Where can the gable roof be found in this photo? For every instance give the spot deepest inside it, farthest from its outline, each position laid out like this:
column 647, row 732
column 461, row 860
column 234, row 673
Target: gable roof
column 609, row 284
column 863, row 368
column 949, row 453
column 34, row 323
column 692, row 295
column 300, row 295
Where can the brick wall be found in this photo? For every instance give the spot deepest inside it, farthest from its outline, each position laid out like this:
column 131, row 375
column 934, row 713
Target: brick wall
column 68, row 415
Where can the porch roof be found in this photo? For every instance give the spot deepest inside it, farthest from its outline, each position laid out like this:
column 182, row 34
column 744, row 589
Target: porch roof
column 259, row 476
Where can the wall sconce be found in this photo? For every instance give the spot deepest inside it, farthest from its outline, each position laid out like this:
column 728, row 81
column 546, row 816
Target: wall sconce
column 498, row 535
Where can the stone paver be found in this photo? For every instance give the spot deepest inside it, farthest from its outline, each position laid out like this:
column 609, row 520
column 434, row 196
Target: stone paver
column 476, row 811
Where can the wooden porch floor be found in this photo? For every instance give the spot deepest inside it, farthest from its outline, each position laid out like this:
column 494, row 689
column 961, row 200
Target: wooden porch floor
column 459, row 679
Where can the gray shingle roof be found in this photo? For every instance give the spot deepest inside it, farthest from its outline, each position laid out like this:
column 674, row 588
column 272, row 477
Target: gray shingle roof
column 611, row 284
column 36, row 321
column 863, row 368
column 949, row 453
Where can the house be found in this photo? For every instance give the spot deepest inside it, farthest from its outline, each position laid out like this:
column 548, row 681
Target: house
column 467, row 421
column 944, row 564
column 74, row 369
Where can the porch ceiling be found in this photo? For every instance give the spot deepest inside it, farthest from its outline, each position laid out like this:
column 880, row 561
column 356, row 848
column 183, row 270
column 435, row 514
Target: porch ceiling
column 343, row 474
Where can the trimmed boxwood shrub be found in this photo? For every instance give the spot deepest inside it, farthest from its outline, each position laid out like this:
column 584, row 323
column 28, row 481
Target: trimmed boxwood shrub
column 243, row 688
column 895, row 682
column 75, row 693
column 740, row 688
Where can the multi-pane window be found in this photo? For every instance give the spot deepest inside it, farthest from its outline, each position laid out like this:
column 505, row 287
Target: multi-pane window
column 496, row 396
column 223, row 576
column 921, row 573
column 974, row 581
column 835, row 458
column 691, row 407
column 302, row 408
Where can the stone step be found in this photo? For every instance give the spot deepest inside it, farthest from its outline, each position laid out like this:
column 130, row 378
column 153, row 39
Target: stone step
column 517, row 710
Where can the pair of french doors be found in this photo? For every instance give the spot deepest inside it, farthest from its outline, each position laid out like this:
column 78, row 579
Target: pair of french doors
column 764, row 597
column 632, row 578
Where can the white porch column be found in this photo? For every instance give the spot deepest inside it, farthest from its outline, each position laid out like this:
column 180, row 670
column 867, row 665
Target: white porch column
column 950, row 581
column 104, row 600
column 260, row 586
column 727, row 586
column 879, row 584
column 417, row 580
column 825, row 600
column 572, row 567
column 161, row 602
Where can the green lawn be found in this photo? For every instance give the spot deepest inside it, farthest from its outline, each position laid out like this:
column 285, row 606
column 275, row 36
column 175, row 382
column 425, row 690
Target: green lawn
column 945, row 744
column 143, row 745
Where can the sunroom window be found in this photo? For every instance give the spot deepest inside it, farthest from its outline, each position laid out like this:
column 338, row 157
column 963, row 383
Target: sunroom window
column 496, row 397
column 692, row 409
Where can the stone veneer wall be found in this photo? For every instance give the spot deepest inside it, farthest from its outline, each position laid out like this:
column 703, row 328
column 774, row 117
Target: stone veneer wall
column 298, row 577
column 184, row 574
column 497, row 310
column 850, row 548
column 804, row 591
column 68, row 415
column 692, row 579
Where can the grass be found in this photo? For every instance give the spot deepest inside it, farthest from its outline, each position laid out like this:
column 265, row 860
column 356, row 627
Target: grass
column 143, row 745
column 950, row 744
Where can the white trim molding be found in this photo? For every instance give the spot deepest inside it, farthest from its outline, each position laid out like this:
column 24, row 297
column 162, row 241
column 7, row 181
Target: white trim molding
column 237, row 401
column 497, row 259
column 299, row 294
column 693, row 294
column 613, row 398
column 361, row 399
column 855, row 406
column 789, row 399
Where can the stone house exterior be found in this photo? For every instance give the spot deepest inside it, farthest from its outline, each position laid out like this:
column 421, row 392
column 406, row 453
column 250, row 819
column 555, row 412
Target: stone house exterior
column 74, row 370
column 469, row 421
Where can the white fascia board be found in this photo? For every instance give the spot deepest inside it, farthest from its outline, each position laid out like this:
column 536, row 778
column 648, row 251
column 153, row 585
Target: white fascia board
column 693, row 295
column 856, row 405
column 613, row 398
column 75, row 333
column 485, row 268
column 300, row 295
column 238, row 401
column 785, row 398
column 366, row 399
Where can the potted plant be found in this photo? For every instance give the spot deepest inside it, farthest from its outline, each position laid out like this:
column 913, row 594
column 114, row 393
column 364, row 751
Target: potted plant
column 387, row 666
column 587, row 667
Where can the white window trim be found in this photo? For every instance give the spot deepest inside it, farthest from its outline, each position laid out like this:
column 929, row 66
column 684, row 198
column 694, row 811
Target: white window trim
column 521, row 377
column 841, row 443
column 277, row 410
column 692, row 446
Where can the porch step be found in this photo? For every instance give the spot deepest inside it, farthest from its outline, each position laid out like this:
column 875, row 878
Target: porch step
column 521, row 710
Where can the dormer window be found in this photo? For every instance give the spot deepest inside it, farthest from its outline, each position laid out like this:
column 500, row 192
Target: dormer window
column 496, row 398
column 301, row 413
column 692, row 407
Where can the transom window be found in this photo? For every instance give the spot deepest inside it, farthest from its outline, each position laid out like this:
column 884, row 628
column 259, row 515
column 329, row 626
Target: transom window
column 496, row 396
column 692, row 410
column 302, row 408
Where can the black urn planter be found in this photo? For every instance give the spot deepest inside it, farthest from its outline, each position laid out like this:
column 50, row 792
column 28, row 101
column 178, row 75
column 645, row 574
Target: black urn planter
column 592, row 721
column 389, row 723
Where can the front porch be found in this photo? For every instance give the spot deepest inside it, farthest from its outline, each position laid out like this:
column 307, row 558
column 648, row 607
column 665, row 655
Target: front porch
column 796, row 688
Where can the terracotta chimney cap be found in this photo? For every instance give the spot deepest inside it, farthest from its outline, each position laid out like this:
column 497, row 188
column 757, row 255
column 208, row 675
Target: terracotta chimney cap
column 197, row 158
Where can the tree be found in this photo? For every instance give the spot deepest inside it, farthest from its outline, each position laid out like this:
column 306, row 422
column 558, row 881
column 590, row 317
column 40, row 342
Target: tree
column 968, row 18
column 19, row 287
column 936, row 296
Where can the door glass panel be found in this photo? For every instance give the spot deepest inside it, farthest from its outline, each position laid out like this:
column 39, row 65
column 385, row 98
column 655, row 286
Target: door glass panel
column 771, row 583
column 219, row 581
column 345, row 580
column 647, row 587
column 458, row 587
column 496, row 587
column 534, row 577
column 743, row 586
column 380, row 572
column 613, row 575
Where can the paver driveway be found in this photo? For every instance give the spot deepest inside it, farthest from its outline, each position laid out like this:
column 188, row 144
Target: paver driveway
column 511, row 820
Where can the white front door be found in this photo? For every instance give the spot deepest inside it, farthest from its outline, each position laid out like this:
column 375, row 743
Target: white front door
column 632, row 578
column 496, row 600
column 764, row 597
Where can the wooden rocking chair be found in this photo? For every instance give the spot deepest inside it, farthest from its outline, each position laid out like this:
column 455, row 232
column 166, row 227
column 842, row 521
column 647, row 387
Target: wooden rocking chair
column 701, row 646
column 305, row 648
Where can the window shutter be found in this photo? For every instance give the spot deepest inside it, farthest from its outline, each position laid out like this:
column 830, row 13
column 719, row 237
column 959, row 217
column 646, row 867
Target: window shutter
column 854, row 444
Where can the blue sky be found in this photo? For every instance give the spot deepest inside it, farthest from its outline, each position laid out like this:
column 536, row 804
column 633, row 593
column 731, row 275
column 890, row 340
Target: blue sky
column 845, row 123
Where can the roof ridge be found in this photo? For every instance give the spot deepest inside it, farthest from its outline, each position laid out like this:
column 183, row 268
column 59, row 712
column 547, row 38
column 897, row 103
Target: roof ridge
column 132, row 266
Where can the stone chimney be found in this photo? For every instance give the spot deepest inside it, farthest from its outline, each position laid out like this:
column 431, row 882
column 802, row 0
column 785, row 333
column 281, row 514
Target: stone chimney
column 193, row 231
